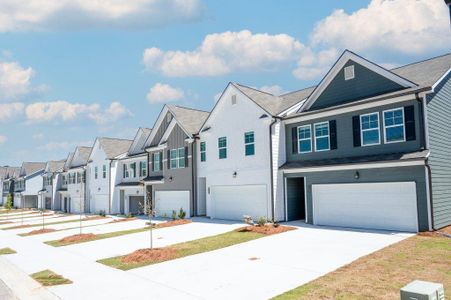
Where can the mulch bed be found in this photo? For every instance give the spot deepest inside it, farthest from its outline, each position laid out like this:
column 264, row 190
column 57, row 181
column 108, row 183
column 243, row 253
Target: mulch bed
column 122, row 220
column 174, row 223
column 446, row 231
column 5, row 222
column 78, row 237
column 41, row 231
column 266, row 229
column 144, row 255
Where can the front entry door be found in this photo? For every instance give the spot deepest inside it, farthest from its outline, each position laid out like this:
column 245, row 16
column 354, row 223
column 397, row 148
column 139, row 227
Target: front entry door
column 122, row 202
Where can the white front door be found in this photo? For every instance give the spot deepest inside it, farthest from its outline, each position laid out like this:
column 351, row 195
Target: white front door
column 232, row 202
column 167, row 201
column 387, row 205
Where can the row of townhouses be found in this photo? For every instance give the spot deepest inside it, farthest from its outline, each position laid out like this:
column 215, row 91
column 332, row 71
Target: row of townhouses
column 367, row 147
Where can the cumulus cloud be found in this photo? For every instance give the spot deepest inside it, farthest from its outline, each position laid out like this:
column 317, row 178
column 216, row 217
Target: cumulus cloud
column 273, row 89
column 38, row 136
column 62, row 145
column 222, row 53
column 163, row 93
column 3, row 139
column 15, row 81
column 405, row 26
column 66, row 111
column 10, row 110
column 312, row 64
column 80, row 14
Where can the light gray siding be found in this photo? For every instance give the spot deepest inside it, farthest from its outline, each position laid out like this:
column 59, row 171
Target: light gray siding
column 365, row 84
column 439, row 123
column 399, row 174
column 345, row 145
column 161, row 130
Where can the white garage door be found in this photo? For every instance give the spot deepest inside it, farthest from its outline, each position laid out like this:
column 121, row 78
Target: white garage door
column 390, row 206
column 99, row 203
column 233, row 202
column 167, row 201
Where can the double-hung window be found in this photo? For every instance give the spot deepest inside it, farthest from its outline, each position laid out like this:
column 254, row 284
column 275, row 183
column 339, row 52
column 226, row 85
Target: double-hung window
column 173, row 154
column 181, row 157
column 322, row 142
column 249, row 143
column 203, row 151
column 177, row 158
column 156, row 161
column 222, row 147
column 133, row 168
column 104, row 171
column 369, row 129
column 96, row 172
column 126, row 172
column 142, row 168
column 394, row 130
column 305, row 138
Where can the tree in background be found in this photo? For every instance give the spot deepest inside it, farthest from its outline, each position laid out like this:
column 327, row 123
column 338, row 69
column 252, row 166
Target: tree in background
column 8, row 204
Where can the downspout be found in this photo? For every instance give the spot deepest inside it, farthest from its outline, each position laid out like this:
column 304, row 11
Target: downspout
column 271, row 166
column 109, row 188
column 193, row 174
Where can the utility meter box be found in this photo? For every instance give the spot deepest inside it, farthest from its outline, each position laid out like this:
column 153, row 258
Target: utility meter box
column 423, row 290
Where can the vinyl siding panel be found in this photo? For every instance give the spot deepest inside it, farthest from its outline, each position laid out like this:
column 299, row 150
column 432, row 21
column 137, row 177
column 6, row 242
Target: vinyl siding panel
column 439, row 124
column 161, row 130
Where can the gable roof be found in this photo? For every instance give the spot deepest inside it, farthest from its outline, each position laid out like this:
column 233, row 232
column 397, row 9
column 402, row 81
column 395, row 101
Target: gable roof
column 68, row 161
column 81, row 155
column 54, row 165
column 189, row 119
column 113, row 146
column 29, row 168
column 8, row 172
column 139, row 142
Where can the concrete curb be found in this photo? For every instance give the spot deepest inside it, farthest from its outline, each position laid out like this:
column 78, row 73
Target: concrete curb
column 21, row 284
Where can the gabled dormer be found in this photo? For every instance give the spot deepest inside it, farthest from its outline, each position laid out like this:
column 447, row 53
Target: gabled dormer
column 354, row 78
column 138, row 144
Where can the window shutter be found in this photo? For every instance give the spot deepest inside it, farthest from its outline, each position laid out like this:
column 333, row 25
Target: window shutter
column 186, row 157
column 333, row 134
column 356, row 130
column 294, row 140
column 409, row 120
column 153, row 161
column 123, row 172
column 161, row 161
column 169, row 159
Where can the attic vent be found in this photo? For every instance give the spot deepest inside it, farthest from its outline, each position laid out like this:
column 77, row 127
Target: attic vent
column 349, row 72
column 233, row 99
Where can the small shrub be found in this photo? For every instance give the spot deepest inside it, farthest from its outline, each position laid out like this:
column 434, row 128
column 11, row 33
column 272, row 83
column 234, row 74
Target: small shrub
column 261, row 221
column 129, row 215
column 174, row 215
column 102, row 213
column 182, row 214
column 165, row 215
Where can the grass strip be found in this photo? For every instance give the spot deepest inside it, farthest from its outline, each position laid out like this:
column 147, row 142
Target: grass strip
column 50, row 223
column 188, row 248
column 4, row 251
column 49, row 278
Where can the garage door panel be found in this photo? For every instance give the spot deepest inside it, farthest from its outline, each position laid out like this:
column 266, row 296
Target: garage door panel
column 232, row 202
column 167, row 201
column 390, row 206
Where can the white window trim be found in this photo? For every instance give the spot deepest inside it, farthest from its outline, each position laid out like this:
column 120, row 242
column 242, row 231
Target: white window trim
column 304, row 139
column 177, row 158
column 391, row 126
column 328, row 136
column 249, row 143
column 203, row 151
column 219, row 148
column 155, row 162
column 378, row 129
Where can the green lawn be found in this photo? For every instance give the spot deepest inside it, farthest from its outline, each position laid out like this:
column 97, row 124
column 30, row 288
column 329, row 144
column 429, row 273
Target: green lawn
column 46, row 223
column 4, row 251
column 49, row 278
column 381, row 274
column 190, row 248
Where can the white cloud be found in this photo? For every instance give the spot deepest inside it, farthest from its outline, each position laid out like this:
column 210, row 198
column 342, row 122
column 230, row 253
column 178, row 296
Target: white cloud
column 3, row 139
column 38, row 136
column 273, row 89
column 10, row 110
column 80, row 14
column 404, row 26
column 62, row 145
column 313, row 65
column 162, row 93
column 222, row 53
column 66, row 111
column 15, row 81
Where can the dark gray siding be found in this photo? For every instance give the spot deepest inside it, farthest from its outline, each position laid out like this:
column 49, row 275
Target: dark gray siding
column 161, row 130
column 345, row 145
column 398, row 174
column 439, row 123
column 365, row 84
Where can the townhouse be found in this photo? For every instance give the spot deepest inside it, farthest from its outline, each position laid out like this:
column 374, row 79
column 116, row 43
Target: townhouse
column 7, row 176
column 370, row 148
column 132, row 168
column 171, row 147
column 27, row 184
column 49, row 198
column 102, row 173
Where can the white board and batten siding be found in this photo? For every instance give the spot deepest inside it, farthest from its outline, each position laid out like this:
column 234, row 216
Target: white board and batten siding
column 385, row 206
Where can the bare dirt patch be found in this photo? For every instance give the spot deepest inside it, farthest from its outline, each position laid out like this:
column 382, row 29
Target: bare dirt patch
column 41, row 231
column 122, row 220
column 78, row 238
column 266, row 229
column 174, row 223
column 144, row 255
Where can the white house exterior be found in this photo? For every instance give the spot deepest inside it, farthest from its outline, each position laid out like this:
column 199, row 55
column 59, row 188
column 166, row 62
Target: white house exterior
column 49, row 198
column 8, row 175
column 132, row 168
column 28, row 184
column 234, row 157
column 102, row 173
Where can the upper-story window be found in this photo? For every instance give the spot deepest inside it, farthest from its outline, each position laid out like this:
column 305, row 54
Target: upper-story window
column 305, row 138
column 222, row 146
column 125, row 172
column 96, row 172
column 394, row 129
column 133, row 169
column 203, row 151
column 249, row 143
column 142, row 169
column 156, row 161
column 322, row 142
column 64, row 180
column 104, row 171
column 177, row 158
column 48, row 180
column 369, row 129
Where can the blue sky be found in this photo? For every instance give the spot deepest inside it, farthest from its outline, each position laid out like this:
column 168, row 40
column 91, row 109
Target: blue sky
column 71, row 71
